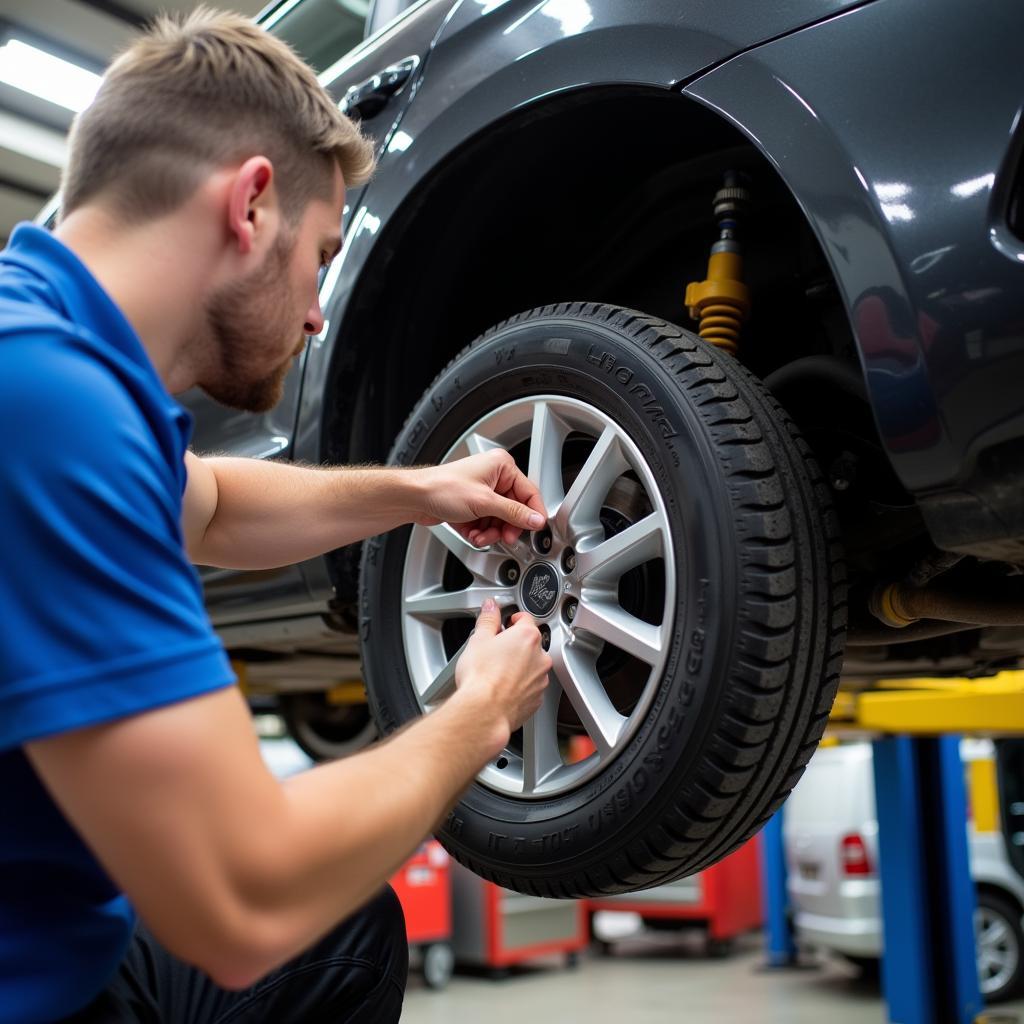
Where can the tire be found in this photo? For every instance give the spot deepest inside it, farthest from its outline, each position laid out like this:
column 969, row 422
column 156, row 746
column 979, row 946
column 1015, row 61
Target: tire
column 1000, row 942
column 749, row 576
column 325, row 731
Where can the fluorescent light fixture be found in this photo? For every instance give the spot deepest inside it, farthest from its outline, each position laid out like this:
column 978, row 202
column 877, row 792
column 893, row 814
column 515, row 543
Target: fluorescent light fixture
column 46, row 76
column 34, row 141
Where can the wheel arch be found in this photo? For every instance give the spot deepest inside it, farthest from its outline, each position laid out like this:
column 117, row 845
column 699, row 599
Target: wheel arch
column 994, row 888
column 526, row 213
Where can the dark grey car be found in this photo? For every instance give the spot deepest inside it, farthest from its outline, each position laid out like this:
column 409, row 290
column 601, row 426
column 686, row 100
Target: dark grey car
column 835, row 467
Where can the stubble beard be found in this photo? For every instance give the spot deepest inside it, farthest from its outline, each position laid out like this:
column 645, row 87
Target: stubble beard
column 245, row 323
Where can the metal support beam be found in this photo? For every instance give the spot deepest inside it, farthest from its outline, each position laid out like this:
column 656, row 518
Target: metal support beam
column 929, row 969
column 781, row 948
column 931, row 707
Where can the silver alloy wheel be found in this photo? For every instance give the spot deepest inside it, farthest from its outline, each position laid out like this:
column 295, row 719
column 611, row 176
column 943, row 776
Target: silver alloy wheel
column 997, row 950
column 571, row 585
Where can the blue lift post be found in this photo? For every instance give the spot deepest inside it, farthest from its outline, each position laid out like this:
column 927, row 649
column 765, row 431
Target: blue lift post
column 781, row 947
column 929, row 971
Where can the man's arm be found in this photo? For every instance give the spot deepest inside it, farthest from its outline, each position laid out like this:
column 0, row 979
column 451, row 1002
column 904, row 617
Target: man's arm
column 252, row 514
column 236, row 872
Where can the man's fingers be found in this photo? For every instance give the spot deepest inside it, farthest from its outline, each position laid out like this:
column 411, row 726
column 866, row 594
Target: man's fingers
column 488, row 621
column 516, row 514
column 516, row 485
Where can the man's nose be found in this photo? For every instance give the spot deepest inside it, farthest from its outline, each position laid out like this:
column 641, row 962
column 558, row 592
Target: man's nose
column 314, row 318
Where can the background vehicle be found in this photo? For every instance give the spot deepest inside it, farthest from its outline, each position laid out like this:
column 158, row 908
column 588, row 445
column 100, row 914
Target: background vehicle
column 727, row 523
column 831, row 840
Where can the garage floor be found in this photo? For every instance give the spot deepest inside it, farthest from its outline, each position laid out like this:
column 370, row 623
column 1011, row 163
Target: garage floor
column 649, row 978
column 661, row 980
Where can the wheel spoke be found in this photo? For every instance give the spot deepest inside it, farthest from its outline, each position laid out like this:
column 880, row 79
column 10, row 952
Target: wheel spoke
column 995, row 933
column 438, row 603
column 483, row 563
column 614, row 557
column 477, row 444
column 587, row 695
column 547, row 438
column 444, row 682
column 612, row 623
column 543, row 427
column 541, row 755
column 580, row 512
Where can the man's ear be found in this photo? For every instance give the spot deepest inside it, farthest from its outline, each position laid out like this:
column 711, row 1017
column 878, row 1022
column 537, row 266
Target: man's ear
column 251, row 199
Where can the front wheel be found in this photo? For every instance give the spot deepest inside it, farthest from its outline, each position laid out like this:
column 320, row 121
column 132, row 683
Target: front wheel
column 688, row 586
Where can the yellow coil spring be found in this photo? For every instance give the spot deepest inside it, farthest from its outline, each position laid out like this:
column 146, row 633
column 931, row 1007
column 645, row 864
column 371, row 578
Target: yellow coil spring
column 721, row 302
column 720, row 324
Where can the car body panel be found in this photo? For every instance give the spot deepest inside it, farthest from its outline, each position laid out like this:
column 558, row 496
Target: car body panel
column 833, row 909
column 932, row 280
column 492, row 58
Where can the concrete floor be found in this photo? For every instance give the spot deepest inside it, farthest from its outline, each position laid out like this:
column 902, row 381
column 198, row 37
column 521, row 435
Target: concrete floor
column 657, row 979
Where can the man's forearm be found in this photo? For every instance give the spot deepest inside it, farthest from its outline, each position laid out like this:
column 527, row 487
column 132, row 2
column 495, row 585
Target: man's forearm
column 269, row 514
column 352, row 823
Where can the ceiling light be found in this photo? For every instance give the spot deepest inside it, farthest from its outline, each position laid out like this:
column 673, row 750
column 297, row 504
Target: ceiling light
column 46, row 76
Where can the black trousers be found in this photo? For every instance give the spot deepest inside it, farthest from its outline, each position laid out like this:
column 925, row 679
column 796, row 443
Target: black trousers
column 356, row 974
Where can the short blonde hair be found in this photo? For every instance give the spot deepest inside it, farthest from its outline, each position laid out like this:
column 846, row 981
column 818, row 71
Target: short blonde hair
column 200, row 92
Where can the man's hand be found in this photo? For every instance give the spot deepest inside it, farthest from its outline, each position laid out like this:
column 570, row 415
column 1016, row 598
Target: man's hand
column 485, row 497
column 506, row 668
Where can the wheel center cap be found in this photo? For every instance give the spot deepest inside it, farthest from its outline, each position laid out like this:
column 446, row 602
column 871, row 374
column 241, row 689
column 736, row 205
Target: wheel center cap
column 539, row 589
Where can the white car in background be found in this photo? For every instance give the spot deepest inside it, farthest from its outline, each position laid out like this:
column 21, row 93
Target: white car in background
column 831, row 840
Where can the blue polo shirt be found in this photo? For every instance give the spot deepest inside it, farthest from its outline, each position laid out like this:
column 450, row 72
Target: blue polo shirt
column 101, row 614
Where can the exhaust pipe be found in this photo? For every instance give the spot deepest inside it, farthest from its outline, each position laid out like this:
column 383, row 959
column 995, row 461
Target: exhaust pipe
column 898, row 605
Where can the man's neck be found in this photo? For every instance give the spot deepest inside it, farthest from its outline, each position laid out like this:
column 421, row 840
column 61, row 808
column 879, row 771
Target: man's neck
column 144, row 269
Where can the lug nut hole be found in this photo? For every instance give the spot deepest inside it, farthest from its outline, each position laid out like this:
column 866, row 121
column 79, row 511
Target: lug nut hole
column 545, row 636
column 569, row 609
column 502, row 762
column 509, row 573
column 542, row 540
column 569, row 560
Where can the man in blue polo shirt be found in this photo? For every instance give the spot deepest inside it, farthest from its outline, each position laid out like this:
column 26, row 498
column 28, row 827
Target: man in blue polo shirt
column 203, row 195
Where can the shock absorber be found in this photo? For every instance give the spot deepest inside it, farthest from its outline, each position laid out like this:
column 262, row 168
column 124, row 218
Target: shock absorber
column 722, row 301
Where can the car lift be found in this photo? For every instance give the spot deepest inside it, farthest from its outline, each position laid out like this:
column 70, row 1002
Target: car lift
column 929, row 972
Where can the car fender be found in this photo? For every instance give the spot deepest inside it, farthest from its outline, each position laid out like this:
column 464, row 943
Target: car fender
column 493, row 57
column 897, row 166
column 496, row 57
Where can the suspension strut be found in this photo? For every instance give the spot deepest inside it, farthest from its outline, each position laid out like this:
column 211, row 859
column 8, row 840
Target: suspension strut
column 721, row 302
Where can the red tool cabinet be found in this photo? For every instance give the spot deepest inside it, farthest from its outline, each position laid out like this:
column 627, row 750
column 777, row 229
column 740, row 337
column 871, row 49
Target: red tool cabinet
column 423, row 886
column 726, row 899
column 496, row 928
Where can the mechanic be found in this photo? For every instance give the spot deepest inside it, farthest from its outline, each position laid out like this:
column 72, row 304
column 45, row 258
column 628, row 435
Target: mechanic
column 203, row 194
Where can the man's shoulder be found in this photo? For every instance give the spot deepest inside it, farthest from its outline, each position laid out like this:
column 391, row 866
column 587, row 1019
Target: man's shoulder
column 49, row 367
column 20, row 316
column 71, row 421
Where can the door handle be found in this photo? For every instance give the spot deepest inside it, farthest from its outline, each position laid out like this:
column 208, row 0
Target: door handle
column 368, row 99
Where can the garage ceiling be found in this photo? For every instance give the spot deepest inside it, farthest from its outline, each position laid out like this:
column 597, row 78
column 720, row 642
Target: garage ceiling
column 33, row 131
